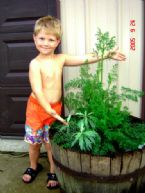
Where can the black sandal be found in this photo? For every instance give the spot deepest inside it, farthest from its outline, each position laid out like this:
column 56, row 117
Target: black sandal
column 33, row 173
column 53, row 177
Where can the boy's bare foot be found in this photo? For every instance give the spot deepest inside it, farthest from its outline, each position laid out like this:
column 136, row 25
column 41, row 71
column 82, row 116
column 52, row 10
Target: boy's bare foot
column 30, row 174
column 52, row 182
column 26, row 178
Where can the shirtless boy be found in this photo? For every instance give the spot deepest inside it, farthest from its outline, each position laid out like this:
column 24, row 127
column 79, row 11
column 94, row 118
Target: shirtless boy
column 44, row 103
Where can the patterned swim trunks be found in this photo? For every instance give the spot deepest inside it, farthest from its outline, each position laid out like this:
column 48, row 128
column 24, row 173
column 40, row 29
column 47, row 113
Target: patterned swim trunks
column 38, row 121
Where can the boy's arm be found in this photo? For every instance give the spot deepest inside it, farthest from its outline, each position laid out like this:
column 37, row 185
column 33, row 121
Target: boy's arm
column 92, row 58
column 36, row 86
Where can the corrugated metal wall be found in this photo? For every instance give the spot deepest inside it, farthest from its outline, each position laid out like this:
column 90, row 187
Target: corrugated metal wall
column 122, row 18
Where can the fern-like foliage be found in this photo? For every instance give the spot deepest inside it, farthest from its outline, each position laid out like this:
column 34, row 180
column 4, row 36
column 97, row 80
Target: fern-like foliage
column 100, row 123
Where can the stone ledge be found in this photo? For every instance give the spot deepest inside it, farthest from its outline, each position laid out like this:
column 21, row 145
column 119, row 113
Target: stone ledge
column 15, row 145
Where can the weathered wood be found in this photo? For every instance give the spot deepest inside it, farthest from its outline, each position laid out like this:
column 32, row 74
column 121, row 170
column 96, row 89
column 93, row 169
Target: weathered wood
column 55, row 151
column 125, row 186
column 141, row 184
column 60, row 176
column 64, row 157
column 71, row 184
column 115, row 167
column 143, row 159
column 86, row 163
column 126, row 159
column 135, row 162
column 74, row 160
column 100, row 166
column 75, row 184
column 84, row 173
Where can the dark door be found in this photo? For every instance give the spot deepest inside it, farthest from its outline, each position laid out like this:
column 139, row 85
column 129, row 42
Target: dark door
column 17, row 19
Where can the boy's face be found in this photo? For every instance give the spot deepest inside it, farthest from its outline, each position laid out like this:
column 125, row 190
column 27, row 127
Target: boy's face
column 45, row 43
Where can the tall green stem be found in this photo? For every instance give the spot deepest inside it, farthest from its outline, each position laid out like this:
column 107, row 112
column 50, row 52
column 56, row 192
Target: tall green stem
column 101, row 68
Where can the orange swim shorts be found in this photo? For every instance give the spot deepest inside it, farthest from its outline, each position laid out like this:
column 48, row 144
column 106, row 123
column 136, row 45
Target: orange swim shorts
column 38, row 121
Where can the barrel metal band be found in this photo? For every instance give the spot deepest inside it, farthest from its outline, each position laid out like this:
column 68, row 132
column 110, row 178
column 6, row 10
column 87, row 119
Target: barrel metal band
column 102, row 179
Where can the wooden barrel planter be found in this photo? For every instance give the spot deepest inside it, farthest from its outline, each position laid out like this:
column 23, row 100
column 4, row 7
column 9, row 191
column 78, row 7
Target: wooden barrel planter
column 84, row 173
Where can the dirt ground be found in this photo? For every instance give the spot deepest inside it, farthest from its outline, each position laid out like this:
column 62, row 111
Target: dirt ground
column 12, row 166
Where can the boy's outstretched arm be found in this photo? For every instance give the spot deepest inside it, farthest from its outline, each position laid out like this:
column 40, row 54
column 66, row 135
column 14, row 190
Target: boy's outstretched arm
column 36, row 86
column 92, row 58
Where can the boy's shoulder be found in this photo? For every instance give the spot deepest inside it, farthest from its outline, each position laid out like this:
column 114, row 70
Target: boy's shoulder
column 33, row 63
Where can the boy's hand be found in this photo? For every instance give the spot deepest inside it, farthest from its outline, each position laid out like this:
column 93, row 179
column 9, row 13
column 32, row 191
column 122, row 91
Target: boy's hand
column 58, row 117
column 116, row 55
column 65, row 123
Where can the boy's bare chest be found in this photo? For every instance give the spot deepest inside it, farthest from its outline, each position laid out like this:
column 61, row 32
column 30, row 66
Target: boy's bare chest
column 51, row 71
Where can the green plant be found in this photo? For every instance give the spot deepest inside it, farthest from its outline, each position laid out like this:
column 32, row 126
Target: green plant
column 99, row 122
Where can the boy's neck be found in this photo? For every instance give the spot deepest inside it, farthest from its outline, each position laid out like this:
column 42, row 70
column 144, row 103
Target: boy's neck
column 45, row 57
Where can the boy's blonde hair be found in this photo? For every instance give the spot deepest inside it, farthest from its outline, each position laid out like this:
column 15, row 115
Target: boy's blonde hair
column 50, row 24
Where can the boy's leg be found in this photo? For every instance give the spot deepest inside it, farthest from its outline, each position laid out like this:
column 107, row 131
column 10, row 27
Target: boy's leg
column 34, row 152
column 51, row 183
column 33, row 136
column 49, row 154
column 52, row 179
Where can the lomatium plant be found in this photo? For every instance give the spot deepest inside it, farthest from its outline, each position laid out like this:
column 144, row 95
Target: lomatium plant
column 99, row 122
